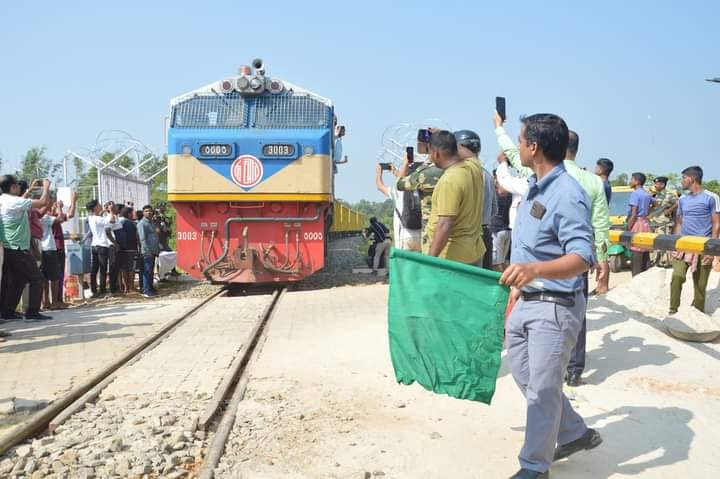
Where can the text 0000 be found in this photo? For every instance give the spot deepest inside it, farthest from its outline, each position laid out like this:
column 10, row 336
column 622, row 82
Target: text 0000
column 313, row 236
column 215, row 149
column 187, row 235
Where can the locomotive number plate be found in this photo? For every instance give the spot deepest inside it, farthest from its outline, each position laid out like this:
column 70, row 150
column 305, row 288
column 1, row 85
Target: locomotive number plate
column 215, row 149
column 278, row 150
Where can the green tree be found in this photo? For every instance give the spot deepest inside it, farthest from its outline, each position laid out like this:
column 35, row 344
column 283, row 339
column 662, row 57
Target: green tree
column 382, row 210
column 712, row 185
column 36, row 165
column 620, row 180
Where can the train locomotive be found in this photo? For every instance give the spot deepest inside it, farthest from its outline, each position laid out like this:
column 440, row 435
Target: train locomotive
column 251, row 177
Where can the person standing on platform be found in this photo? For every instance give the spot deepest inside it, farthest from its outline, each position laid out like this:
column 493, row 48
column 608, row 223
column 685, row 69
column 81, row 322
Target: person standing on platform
column 604, row 168
column 59, row 235
column 470, row 141
column 637, row 220
column 500, row 227
column 407, row 217
column 112, row 222
column 50, row 266
column 127, row 238
column 698, row 214
column 19, row 265
column 423, row 181
column 149, row 248
column 100, row 228
column 662, row 217
column 552, row 246
column 454, row 230
column 600, row 219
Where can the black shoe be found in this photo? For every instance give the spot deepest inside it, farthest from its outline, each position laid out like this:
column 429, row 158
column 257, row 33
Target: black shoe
column 573, row 380
column 37, row 317
column 589, row 440
column 12, row 316
column 530, row 474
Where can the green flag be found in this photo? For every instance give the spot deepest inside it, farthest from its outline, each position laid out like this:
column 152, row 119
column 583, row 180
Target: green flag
column 445, row 322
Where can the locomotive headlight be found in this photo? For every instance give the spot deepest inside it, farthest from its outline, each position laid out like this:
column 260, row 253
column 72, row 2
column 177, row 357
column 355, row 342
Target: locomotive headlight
column 242, row 83
column 308, row 150
column 187, row 150
column 255, row 83
column 226, row 86
column 276, row 86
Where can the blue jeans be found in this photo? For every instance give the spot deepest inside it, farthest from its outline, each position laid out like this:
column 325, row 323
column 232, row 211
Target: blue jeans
column 148, row 273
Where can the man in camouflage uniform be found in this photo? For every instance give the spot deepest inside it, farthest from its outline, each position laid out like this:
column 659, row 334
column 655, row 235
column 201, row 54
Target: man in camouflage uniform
column 662, row 217
column 422, row 180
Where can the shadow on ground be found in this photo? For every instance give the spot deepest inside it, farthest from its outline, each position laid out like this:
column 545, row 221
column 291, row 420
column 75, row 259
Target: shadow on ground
column 636, row 440
column 73, row 326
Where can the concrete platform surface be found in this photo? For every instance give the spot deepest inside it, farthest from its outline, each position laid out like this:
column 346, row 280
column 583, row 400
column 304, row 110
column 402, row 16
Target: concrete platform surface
column 322, row 402
column 42, row 360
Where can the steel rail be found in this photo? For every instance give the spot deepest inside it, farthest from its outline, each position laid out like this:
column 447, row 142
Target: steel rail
column 75, row 399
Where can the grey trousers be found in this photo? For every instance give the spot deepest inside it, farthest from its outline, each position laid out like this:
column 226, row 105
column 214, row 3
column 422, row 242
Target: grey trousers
column 540, row 337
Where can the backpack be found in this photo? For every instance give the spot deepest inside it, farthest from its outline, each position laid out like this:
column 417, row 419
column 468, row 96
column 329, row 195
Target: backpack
column 411, row 217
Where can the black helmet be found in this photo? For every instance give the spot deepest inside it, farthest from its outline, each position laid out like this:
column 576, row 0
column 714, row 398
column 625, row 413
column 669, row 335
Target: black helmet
column 469, row 139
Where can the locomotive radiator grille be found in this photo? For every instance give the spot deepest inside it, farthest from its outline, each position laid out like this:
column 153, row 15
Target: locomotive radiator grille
column 211, row 111
column 290, row 112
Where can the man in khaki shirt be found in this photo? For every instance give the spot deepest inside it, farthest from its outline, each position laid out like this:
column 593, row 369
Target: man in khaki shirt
column 455, row 226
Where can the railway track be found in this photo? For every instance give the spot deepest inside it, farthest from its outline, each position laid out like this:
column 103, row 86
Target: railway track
column 164, row 409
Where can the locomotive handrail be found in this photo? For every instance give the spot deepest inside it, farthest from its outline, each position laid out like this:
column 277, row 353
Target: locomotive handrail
column 684, row 244
column 256, row 219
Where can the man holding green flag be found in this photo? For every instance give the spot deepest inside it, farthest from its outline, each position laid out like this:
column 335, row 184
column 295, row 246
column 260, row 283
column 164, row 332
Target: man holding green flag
column 552, row 246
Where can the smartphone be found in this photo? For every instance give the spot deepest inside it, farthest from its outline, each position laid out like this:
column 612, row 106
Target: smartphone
column 410, row 152
column 424, row 135
column 500, row 107
column 386, row 166
column 423, row 139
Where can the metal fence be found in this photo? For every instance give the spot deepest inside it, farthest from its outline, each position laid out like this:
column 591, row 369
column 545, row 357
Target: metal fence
column 121, row 189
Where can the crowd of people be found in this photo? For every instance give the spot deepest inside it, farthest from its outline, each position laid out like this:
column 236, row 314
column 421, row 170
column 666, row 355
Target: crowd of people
column 32, row 248
column 542, row 221
column 125, row 242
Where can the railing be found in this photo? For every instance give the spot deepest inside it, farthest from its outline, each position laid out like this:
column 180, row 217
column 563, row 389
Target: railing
column 652, row 241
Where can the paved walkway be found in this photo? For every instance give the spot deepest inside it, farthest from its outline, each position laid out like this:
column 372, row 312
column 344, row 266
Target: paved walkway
column 323, row 402
column 44, row 359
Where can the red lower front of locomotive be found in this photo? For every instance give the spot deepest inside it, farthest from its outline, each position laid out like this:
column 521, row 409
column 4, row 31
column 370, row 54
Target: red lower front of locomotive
column 240, row 242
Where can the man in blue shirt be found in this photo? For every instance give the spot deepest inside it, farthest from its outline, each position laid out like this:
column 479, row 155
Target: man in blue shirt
column 698, row 214
column 637, row 220
column 552, row 246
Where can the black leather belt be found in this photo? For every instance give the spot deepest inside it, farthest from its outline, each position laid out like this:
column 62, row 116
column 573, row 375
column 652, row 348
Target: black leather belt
column 561, row 298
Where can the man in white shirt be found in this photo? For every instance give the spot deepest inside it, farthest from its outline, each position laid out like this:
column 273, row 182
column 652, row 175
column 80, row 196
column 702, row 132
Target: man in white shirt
column 511, row 183
column 50, row 266
column 405, row 236
column 19, row 266
column 99, row 228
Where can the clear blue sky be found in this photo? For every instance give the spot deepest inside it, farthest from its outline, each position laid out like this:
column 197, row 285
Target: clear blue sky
column 628, row 76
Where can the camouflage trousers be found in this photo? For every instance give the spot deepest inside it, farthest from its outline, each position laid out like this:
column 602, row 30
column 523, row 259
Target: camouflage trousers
column 662, row 258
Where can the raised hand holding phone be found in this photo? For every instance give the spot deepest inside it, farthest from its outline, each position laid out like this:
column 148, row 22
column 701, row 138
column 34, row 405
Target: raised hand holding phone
column 500, row 107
